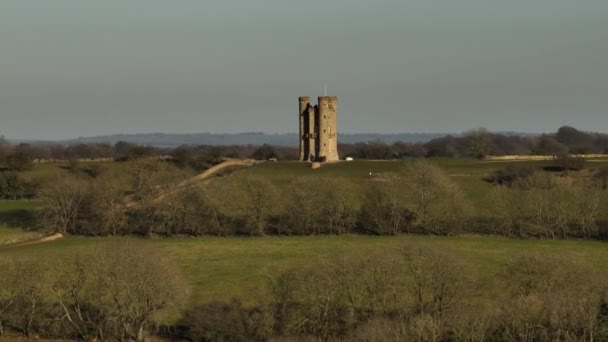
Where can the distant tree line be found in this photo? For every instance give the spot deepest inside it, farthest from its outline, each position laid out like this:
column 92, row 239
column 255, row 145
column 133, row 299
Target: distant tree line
column 21, row 157
column 480, row 143
column 476, row 143
column 16, row 159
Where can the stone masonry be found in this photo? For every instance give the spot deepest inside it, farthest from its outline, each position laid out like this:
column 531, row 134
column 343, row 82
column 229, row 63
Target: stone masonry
column 319, row 129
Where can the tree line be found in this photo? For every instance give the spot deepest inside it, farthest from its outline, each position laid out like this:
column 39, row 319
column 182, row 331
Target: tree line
column 479, row 143
column 422, row 292
column 416, row 201
column 148, row 200
column 415, row 292
column 476, row 143
column 21, row 157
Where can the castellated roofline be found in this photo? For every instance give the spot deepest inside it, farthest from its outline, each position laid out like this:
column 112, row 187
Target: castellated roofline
column 318, row 129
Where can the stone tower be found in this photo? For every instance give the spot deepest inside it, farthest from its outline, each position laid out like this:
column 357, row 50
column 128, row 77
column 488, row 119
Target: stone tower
column 319, row 129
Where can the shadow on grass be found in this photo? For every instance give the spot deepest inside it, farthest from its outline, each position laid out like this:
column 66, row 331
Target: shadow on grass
column 20, row 218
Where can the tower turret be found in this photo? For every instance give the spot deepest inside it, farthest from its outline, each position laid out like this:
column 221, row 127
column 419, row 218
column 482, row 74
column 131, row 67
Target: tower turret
column 328, row 145
column 318, row 129
column 304, row 102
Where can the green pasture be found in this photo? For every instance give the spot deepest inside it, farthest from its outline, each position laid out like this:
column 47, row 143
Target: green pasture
column 360, row 169
column 226, row 268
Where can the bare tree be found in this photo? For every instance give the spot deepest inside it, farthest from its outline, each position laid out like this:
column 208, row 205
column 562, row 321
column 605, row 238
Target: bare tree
column 551, row 298
column 4, row 149
column 302, row 207
column 436, row 280
column 62, row 202
column 384, row 209
column 439, row 204
column 478, row 143
column 114, row 291
column 249, row 202
column 339, row 205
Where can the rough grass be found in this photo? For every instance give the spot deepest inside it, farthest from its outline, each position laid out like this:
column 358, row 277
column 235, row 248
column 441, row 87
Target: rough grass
column 226, row 268
column 14, row 217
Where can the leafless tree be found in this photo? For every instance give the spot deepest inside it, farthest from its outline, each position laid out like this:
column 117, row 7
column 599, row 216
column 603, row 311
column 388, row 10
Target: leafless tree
column 439, row 204
column 62, row 202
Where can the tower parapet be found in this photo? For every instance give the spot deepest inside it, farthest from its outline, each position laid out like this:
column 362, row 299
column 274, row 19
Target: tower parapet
column 319, row 129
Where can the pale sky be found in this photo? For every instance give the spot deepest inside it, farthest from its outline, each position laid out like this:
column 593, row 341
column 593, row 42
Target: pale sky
column 82, row 68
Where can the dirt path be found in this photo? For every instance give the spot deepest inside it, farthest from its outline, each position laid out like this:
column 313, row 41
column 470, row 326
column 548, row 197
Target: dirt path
column 206, row 175
column 35, row 241
column 199, row 178
column 220, row 167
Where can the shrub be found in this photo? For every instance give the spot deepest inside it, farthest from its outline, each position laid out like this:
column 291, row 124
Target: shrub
column 20, row 161
column 567, row 162
column 601, row 178
column 13, row 187
column 511, row 174
column 264, row 152
column 219, row 321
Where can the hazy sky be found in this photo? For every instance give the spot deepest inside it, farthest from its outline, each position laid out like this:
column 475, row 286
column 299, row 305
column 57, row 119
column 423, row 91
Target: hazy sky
column 82, row 68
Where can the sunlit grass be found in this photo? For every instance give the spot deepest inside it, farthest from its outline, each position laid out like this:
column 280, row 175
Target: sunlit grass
column 236, row 267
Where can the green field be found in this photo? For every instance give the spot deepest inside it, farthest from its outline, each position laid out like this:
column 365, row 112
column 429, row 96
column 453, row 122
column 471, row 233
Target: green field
column 225, row 268
column 222, row 268
column 469, row 174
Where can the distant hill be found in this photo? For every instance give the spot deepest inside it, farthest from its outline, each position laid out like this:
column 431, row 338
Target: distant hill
column 250, row 138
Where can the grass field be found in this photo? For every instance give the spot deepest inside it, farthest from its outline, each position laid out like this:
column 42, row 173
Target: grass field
column 469, row 174
column 222, row 268
column 226, row 268
column 14, row 220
